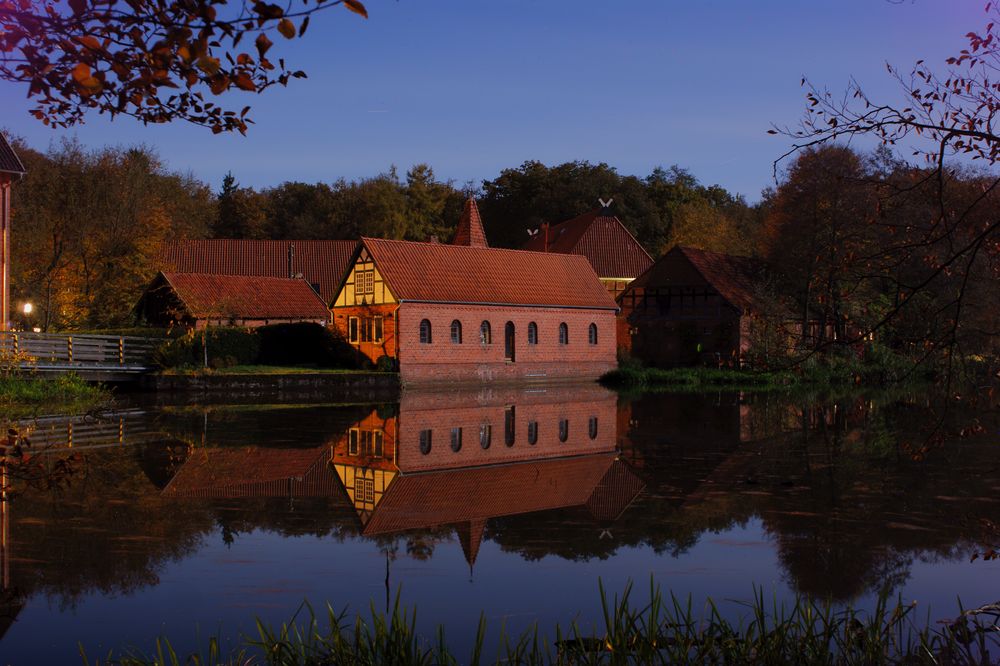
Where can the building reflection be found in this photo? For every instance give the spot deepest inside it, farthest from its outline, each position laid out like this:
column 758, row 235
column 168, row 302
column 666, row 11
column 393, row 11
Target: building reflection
column 459, row 460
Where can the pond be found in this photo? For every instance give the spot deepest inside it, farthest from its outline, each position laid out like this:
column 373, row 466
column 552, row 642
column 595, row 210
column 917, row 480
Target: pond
column 192, row 521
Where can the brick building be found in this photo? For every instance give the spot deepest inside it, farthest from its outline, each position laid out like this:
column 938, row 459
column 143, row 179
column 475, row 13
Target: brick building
column 462, row 458
column 321, row 263
column 472, row 313
column 198, row 300
column 615, row 254
column 11, row 170
column 691, row 306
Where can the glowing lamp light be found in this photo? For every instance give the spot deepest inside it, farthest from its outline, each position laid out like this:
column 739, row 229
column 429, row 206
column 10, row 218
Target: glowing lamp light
column 28, row 307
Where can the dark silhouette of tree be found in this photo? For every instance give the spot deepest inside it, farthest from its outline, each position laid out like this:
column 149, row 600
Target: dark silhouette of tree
column 938, row 253
column 153, row 60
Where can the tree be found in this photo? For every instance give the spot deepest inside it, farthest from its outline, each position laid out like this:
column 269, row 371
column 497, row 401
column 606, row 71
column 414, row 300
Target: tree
column 242, row 212
column 153, row 60
column 97, row 222
column 938, row 225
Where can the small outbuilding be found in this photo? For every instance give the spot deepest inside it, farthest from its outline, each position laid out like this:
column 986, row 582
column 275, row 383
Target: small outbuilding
column 198, row 300
column 691, row 306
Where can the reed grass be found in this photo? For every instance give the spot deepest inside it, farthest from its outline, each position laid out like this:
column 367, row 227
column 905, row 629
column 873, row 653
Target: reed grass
column 665, row 630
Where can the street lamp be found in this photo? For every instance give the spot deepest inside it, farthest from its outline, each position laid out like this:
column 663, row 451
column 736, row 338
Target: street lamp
column 27, row 308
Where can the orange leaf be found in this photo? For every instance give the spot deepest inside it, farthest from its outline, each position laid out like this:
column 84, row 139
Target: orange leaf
column 244, row 82
column 286, row 28
column 356, row 7
column 81, row 72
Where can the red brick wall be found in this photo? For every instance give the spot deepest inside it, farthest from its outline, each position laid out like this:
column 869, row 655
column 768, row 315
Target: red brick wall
column 443, row 411
column 373, row 350
column 445, row 361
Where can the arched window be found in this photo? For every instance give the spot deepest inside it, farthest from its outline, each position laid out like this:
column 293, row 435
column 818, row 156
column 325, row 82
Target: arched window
column 485, row 435
column 456, row 439
column 532, row 432
column 508, row 426
column 425, row 331
column 485, row 333
column 592, row 334
column 425, row 441
column 508, row 341
column 532, row 333
column 563, row 430
column 563, row 334
column 592, row 427
column 456, row 332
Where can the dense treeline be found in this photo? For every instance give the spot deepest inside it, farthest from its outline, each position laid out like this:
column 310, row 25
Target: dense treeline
column 856, row 241
column 89, row 223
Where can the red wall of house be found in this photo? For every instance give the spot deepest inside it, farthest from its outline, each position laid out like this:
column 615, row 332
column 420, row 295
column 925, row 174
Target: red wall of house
column 444, row 361
column 440, row 412
column 372, row 350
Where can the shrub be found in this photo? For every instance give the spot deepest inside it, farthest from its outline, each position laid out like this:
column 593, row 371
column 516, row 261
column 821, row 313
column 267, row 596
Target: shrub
column 305, row 344
column 226, row 347
column 386, row 364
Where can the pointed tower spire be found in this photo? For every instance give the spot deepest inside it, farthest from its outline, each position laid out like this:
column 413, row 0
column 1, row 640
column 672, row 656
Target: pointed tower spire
column 470, row 535
column 470, row 227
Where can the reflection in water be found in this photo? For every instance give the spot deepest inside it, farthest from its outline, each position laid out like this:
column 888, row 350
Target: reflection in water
column 437, row 463
column 838, row 493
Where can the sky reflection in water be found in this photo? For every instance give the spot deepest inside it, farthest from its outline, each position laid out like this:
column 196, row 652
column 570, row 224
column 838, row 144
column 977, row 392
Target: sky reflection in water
column 191, row 521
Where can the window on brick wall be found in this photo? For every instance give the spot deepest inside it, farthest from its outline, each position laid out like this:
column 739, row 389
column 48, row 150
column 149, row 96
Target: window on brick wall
column 456, row 332
column 563, row 430
column 485, row 333
column 377, row 329
column 592, row 427
column 532, row 333
column 485, row 435
column 353, row 436
column 592, row 334
column 456, row 439
column 532, row 432
column 425, row 331
column 508, row 426
column 426, row 437
column 563, row 334
column 352, row 330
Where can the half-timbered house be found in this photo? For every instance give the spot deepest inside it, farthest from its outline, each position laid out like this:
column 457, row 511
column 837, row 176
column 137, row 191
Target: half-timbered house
column 11, row 170
column 691, row 306
column 470, row 313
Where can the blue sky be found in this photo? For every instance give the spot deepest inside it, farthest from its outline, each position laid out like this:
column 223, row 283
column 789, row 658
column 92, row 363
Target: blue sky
column 472, row 87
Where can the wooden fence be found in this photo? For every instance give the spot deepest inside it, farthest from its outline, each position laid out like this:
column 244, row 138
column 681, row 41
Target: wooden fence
column 66, row 351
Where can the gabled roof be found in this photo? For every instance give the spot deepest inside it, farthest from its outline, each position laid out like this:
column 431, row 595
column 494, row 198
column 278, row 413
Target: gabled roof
column 601, row 237
column 322, row 262
column 253, row 471
column 9, row 161
column 730, row 275
column 431, row 272
column 470, row 227
column 473, row 494
column 244, row 296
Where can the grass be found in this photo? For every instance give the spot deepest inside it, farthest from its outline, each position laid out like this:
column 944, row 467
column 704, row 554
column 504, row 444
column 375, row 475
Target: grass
column 665, row 630
column 262, row 370
column 697, row 379
column 65, row 392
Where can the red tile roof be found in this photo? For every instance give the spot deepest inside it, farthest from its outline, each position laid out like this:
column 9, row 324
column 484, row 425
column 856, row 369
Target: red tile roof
column 459, row 496
column 9, row 161
column 470, row 227
column 244, row 297
column 616, row 491
column 612, row 250
column 322, row 262
column 255, row 472
column 732, row 276
column 431, row 272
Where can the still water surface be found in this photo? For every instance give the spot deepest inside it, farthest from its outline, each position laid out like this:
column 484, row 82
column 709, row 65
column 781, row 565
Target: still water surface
column 192, row 521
